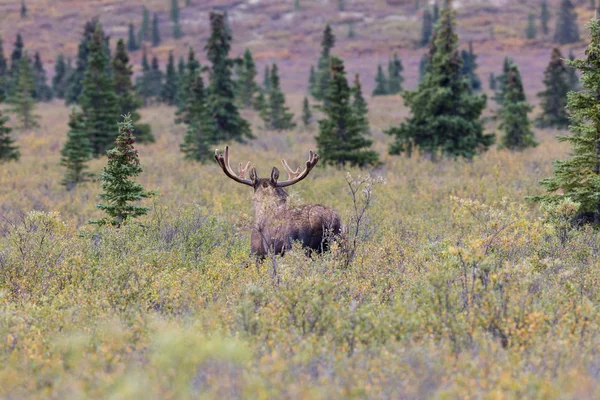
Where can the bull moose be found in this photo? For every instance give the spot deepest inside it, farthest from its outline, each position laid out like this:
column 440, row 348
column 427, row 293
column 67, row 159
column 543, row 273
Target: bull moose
column 276, row 223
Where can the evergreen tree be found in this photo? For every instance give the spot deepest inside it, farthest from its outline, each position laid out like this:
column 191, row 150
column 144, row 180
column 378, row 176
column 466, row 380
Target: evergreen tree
column 75, row 79
column 578, row 178
column 228, row 123
column 22, row 98
column 169, row 89
column 341, row 139
column 395, row 79
column 99, row 101
column 323, row 75
column 426, row 29
column 266, row 78
column 381, row 83
column 144, row 33
column 3, row 72
column 567, row 29
column 545, row 17
column 515, row 123
column 41, row 92
column 246, row 84
column 199, row 136
column 436, row 13
column 143, row 84
column 531, row 31
column 156, row 78
column 192, row 68
column 278, row 116
column 423, row 66
column 128, row 101
column 180, row 95
column 15, row 63
column 119, row 190
column 306, row 113
column 553, row 100
column 61, row 76
column 572, row 77
column 499, row 95
column 492, row 82
column 312, row 79
column 8, row 150
column 469, row 60
column 177, row 33
column 76, row 152
column 132, row 44
column 446, row 116
column 359, row 106
column 155, row 31
column 23, row 10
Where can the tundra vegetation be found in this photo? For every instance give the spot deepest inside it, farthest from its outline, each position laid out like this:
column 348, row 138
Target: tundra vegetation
column 457, row 286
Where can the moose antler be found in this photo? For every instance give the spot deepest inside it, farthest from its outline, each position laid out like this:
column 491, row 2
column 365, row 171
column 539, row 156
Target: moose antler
column 297, row 176
column 223, row 161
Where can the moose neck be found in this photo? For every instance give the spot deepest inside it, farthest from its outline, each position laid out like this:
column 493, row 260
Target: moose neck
column 268, row 202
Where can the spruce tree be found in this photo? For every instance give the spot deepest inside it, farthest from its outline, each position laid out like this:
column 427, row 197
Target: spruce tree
column 260, row 104
column 266, row 78
column 143, row 84
column 128, row 101
column 436, row 13
column 381, row 83
column 578, row 178
column 306, row 113
column 41, row 91
column 169, row 89
column 177, row 33
column 341, row 138
column 469, row 67
column 99, row 101
column 144, row 33
column 186, row 79
column 426, row 29
column 359, row 106
column 199, row 139
column 228, row 123
column 76, row 152
column 119, row 189
column 499, row 95
column 545, row 17
column 423, row 66
column 515, row 123
column 132, row 44
column 23, row 10
column 395, row 78
column 155, row 31
column 15, row 63
column 312, row 79
column 8, row 150
column 567, row 29
column 22, row 97
column 531, row 30
column 553, row 100
column 492, row 81
column 323, row 74
column 246, row 83
column 156, row 78
column 3, row 72
column 446, row 116
column 278, row 115
column 572, row 77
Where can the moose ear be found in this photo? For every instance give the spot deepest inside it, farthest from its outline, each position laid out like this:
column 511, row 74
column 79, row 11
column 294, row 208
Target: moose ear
column 253, row 175
column 274, row 175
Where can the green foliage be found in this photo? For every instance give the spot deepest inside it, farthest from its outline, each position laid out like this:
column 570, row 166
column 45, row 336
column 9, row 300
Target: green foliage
column 99, row 101
column 502, row 80
column 446, row 116
column 199, row 137
column 155, row 31
column 150, row 84
column 578, row 178
column 76, row 152
column 322, row 77
column 341, row 134
column 61, row 76
column 381, row 83
column 545, row 17
column 186, row 78
column 531, row 30
column 169, row 89
column 23, row 10
column 469, row 68
column 424, row 64
column 228, row 123
column 246, row 80
column 15, row 63
column 492, row 81
column 41, row 91
column 567, row 29
column 306, row 113
column 4, row 72
column 426, row 28
column 360, row 107
column 132, row 43
column 572, row 77
column 8, row 150
column 515, row 123
column 126, row 97
column 22, row 101
column 177, row 33
column 395, row 78
column 266, row 78
column 276, row 114
column 119, row 190
column 144, row 32
column 312, row 79
column 553, row 100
